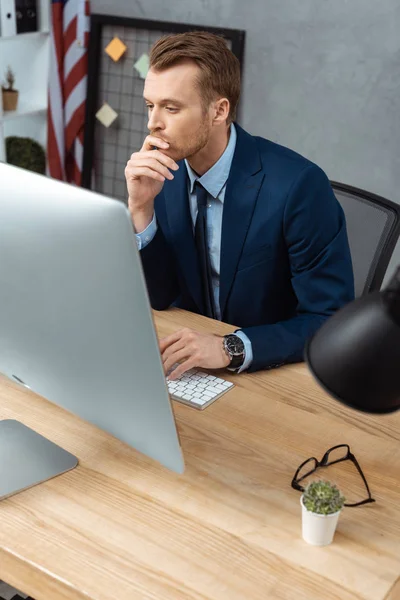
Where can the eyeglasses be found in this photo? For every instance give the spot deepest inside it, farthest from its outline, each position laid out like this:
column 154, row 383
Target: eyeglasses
column 332, row 456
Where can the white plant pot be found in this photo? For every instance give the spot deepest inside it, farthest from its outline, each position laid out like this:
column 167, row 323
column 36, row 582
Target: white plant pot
column 318, row 530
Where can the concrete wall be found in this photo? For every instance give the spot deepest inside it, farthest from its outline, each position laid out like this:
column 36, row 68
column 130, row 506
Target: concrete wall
column 322, row 77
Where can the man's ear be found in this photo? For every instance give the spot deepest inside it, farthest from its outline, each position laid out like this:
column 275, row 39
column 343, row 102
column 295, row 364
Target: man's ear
column 221, row 111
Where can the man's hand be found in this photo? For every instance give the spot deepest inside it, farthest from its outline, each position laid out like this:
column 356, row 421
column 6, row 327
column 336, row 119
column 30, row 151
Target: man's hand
column 192, row 349
column 145, row 174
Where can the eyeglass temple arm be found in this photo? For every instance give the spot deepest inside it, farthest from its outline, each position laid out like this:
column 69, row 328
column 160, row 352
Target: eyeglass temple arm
column 359, row 469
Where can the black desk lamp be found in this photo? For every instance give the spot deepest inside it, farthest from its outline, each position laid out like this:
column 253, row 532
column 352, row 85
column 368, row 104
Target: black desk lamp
column 355, row 355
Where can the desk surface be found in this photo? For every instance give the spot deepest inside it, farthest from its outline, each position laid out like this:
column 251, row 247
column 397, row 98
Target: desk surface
column 121, row 526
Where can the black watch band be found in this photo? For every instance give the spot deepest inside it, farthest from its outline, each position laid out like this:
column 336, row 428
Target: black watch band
column 234, row 348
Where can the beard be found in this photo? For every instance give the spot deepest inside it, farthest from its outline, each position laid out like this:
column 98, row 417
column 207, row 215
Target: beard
column 190, row 144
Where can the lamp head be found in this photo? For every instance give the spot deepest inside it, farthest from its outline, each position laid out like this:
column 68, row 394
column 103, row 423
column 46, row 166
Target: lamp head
column 355, row 355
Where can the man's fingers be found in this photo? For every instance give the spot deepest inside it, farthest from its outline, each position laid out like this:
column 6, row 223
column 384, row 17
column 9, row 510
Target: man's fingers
column 178, row 345
column 152, row 163
column 162, row 158
column 151, row 158
column 188, row 364
column 151, row 141
column 144, row 172
column 170, row 339
column 165, row 160
column 176, row 357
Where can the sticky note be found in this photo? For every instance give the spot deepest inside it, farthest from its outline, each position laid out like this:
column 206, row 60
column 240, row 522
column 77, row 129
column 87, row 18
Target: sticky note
column 142, row 65
column 115, row 49
column 106, row 115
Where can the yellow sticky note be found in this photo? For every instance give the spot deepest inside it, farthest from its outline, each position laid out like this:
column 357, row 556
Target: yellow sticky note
column 142, row 65
column 106, row 115
column 115, row 49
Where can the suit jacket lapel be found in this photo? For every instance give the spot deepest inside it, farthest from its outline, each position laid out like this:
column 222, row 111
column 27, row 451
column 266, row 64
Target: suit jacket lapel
column 180, row 224
column 241, row 193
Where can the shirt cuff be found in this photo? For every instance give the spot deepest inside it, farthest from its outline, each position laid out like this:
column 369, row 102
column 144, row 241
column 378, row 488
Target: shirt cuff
column 248, row 350
column 145, row 237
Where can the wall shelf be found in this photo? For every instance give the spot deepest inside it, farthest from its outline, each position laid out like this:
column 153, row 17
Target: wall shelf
column 24, row 110
column 28, row 56
column 25, row 36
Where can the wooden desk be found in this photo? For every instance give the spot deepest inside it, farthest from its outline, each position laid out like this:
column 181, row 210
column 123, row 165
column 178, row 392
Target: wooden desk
column 121, row 526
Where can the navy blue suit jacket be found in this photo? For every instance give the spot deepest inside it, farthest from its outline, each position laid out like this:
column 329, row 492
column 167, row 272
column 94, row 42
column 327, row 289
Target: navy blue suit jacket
column 285, row 259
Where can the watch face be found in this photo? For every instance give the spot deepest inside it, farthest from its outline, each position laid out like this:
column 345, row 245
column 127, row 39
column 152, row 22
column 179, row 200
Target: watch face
column 234, row 345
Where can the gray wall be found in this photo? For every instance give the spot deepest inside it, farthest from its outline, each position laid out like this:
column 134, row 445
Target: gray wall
column 320, row 76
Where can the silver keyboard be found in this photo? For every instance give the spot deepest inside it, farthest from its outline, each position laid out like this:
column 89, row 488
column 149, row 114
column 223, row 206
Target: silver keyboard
column 197, row 388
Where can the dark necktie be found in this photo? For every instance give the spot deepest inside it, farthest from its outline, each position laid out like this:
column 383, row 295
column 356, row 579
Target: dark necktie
column 200, row 236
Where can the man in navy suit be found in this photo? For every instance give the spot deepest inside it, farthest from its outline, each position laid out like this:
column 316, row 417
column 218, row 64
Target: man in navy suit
column 229, row 225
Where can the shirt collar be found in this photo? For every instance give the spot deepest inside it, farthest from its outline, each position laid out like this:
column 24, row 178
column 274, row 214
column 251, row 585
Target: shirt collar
column 215, row 178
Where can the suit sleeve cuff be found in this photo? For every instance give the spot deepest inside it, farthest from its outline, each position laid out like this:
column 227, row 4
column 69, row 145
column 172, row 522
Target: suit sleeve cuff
column 145, row 237
column 248, row 350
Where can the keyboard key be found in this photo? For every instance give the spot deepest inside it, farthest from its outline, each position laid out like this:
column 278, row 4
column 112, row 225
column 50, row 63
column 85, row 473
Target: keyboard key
column 200, row 401
column 220, row 388
column 213, row 389
column 210, row 393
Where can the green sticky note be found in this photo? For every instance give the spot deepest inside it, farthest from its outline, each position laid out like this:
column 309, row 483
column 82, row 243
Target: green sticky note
column 142, row 65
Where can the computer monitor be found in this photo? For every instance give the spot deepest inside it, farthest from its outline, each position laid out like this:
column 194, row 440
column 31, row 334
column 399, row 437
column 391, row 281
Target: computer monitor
column 75, row 319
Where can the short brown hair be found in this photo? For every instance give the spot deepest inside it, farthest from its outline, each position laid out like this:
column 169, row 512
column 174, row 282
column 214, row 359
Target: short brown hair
column 220, row 69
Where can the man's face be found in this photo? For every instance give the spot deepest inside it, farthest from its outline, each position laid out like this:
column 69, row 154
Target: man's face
column 175, row 110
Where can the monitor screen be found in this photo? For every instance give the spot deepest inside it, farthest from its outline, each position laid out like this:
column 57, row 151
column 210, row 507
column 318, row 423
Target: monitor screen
column 75, row 320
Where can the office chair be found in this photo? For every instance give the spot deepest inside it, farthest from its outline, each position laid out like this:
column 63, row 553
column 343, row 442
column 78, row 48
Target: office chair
column 373, row 228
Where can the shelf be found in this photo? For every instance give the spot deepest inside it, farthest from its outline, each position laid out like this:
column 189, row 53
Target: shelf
column 23, row 110
column 25, row 36
column 28, row 56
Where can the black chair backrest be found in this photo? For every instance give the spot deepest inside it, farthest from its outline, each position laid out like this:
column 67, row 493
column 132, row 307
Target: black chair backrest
column 373, row 228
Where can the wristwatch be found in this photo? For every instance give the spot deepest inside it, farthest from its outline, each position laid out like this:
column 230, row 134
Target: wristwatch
column 234, row 348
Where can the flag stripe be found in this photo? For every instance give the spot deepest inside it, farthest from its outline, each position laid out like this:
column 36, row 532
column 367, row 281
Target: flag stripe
column 70, row 36
column 55, row 110
column 79, row 153
column 54, row 159
column 75, row 99
column 57, row 31
column 73, row 55
column 70, row 12
column 83, row 23
column 75, row 75
column 74, row 125
column 67, row 88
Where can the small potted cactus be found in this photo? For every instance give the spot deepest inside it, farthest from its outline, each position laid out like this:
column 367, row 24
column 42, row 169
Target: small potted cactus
column 321, row 505
column 10, row 95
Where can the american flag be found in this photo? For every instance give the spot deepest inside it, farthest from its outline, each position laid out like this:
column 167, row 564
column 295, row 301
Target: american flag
column 70, row 24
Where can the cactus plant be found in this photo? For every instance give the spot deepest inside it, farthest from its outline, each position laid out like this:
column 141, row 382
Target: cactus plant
column 323, row 498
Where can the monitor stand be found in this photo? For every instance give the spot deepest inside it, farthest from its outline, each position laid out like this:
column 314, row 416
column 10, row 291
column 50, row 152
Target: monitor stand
column 27, row 458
